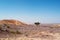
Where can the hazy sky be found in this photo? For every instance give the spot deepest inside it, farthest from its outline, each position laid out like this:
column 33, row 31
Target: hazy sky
column 29, row 11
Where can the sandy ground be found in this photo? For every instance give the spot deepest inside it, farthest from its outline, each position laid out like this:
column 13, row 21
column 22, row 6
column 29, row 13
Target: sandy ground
column 55, row 36
column 33, row 33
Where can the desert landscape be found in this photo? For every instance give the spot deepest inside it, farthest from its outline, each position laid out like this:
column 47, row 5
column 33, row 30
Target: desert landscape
column 17, row 30
column 29, row 19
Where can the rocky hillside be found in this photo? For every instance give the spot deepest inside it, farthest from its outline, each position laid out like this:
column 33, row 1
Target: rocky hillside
column 11, row 26
column 16, row 29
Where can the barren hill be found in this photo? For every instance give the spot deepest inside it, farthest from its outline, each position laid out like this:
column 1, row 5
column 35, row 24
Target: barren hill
column 14, row 22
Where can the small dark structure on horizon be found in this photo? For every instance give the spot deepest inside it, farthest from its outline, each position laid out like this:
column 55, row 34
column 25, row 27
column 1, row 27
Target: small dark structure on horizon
column 37, row 23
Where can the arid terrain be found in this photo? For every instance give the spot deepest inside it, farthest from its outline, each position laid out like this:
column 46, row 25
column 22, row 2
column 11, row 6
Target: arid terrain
column 16, row 30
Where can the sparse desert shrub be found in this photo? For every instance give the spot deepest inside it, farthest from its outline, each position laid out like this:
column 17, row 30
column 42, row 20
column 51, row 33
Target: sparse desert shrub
column 15, row 32
column 18, row 32
column 5, row 24
column 26, row 34
column 12, row 32
column 6, row 30
column 51, row 27
column 8, row 27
